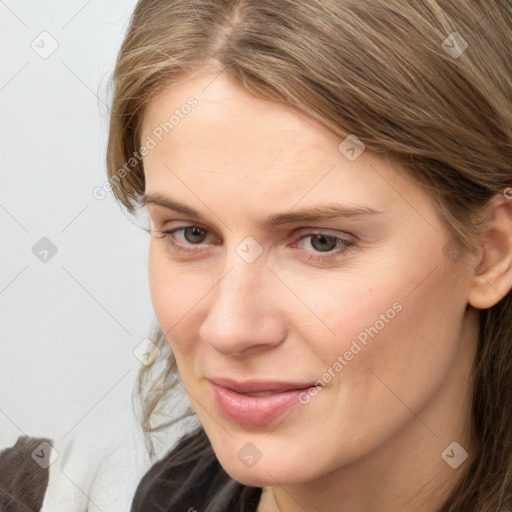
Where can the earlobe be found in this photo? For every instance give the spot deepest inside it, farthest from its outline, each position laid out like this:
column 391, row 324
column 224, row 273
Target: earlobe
column 492, row 278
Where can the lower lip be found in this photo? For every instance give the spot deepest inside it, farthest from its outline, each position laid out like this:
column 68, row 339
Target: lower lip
column 254, row 410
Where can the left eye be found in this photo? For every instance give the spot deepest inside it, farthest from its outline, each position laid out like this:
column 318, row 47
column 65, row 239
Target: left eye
column 326, row 246
column 193, row 232
column 325, row 243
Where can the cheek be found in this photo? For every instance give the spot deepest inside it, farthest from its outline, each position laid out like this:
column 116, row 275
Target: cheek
column 176, row 294
column 391, row 364
column 169, row 292
column 405, row 349
column 159, row 282
column 404, row 314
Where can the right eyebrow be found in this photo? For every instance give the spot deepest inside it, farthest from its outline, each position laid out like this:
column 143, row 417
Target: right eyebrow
column 313, row 214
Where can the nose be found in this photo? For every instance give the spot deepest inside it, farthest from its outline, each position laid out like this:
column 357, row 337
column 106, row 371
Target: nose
column 244, row 315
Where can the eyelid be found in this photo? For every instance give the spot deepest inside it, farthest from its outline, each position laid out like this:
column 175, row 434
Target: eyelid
column 295, row 233
column 171, row 231
column 324, row 231
column 319, row 257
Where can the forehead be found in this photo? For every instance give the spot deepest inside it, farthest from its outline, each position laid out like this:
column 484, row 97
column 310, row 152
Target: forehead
column 264, row 129
column 258, row 150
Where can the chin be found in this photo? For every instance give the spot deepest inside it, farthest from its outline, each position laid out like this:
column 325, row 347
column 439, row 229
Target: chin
column 253, row 480
column 258, row 477
column 266, row 472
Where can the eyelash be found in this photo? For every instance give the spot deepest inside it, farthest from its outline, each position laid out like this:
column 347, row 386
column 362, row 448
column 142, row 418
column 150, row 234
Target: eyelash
column 343, row 244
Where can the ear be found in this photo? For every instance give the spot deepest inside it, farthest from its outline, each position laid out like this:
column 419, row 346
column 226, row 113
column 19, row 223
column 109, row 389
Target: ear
column 492, row 278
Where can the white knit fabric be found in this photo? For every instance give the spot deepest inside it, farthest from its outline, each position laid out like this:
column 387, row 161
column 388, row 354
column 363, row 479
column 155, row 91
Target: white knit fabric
column 99, row 471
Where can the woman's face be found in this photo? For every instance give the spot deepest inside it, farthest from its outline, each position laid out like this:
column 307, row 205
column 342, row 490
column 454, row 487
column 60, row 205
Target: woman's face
column 307, row 293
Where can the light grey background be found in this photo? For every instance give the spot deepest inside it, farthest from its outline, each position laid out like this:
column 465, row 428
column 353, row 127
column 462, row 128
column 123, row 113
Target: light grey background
column 68, row 325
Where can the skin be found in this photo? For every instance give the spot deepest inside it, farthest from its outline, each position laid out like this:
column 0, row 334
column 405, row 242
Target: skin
column 372, row 438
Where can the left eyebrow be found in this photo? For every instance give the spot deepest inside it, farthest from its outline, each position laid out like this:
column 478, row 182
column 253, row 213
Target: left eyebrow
column 320, row 213
column 314, row 214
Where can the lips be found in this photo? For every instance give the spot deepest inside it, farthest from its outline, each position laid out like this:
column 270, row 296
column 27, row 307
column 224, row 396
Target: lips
column 256, row 402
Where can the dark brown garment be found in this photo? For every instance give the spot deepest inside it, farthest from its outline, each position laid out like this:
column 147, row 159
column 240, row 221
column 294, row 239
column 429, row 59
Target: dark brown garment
column 24, row 474
column 190, row 479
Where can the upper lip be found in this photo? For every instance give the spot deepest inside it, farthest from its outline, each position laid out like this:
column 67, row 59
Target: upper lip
column 255, row 386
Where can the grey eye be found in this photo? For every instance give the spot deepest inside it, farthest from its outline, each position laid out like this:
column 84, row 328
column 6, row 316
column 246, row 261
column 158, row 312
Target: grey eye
column 192, row 234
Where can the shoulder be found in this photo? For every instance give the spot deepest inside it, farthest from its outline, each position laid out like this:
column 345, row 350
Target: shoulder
column 24, row 473
column 189, row 477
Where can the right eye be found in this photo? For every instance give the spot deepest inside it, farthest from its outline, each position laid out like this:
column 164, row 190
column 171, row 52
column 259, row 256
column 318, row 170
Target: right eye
column 191, row 234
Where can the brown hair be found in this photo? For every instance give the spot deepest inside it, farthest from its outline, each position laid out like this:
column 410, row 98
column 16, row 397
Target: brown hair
column 399, row 76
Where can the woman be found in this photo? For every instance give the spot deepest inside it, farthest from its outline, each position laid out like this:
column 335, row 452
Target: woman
column 331, row 249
